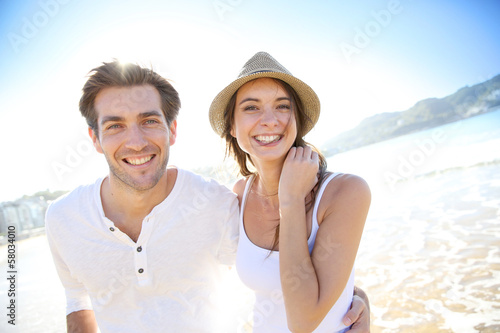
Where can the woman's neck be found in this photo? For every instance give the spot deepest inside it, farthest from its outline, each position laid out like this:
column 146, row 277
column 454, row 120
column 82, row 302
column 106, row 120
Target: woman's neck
column 268, row 178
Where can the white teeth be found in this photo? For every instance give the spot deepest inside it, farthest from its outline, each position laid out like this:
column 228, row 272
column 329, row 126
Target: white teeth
column 267, row 138
column 139, row 161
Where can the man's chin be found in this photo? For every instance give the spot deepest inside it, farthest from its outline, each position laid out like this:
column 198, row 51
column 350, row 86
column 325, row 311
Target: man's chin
column 137, row 185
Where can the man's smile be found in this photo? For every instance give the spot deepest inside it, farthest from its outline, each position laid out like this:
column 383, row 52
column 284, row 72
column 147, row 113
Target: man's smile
column 138, row 161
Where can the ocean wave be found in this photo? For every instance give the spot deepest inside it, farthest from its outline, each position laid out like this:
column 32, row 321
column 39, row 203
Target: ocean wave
column 441, row 172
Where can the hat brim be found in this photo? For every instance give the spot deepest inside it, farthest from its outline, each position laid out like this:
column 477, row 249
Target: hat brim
column 308, row 97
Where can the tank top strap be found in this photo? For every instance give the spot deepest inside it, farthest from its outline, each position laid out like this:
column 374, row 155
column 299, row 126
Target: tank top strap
column 319, row 196
column 248, row 185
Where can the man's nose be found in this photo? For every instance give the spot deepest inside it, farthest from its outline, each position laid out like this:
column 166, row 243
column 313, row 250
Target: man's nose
column 136, row 138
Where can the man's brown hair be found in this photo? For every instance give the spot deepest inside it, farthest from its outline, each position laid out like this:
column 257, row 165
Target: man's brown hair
column 116, row 74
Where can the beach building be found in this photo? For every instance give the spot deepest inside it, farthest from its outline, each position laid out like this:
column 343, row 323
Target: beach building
column 25, row 215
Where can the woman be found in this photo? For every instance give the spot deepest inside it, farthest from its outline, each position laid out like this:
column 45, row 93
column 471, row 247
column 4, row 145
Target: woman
column 300, row 225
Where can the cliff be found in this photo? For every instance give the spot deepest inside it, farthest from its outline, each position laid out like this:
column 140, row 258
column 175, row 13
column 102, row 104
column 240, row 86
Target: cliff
column 466, row 102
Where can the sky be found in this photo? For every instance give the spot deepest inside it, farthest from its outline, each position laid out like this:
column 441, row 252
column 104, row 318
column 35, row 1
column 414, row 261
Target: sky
column 361, row 58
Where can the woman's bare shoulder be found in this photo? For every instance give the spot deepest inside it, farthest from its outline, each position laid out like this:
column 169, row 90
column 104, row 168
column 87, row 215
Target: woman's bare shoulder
column 346, row 189
column 345, row 183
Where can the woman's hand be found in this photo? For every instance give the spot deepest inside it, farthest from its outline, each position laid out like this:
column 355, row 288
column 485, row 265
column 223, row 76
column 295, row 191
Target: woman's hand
column 299, row 174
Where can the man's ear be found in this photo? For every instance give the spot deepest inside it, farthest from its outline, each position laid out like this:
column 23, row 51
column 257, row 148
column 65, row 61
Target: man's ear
column 173, row 132
column 95, row 140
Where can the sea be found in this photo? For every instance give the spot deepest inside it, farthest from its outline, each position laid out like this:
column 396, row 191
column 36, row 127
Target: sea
column 429, row 258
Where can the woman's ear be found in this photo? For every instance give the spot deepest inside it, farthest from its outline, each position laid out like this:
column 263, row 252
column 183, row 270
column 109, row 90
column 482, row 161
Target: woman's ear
column 233, row 132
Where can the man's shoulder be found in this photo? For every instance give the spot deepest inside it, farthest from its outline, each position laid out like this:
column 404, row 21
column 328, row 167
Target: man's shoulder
column 197, row 181
column 83, row 195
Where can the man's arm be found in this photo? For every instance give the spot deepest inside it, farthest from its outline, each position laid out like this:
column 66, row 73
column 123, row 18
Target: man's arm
column 359, row 313
column 78, row 320
column 81, row 322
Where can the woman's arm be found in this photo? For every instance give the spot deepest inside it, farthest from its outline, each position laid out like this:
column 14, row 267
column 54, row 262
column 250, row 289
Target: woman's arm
column 313, row 283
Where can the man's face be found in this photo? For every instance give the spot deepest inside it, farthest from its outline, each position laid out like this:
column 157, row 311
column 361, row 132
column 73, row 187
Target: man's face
column 133, row 135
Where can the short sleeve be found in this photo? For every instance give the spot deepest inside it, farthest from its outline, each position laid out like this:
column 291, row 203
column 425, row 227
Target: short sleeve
column 76, row 295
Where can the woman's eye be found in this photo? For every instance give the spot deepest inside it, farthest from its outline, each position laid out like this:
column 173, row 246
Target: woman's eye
column 250, row 108
column 284, row 107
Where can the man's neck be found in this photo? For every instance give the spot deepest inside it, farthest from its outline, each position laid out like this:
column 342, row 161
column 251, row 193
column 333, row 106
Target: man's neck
column 127, row 208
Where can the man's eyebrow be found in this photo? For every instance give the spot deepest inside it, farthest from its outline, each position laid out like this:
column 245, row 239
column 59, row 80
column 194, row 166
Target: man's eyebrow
column 111, row 119
column 152, row 113
column 143, row 115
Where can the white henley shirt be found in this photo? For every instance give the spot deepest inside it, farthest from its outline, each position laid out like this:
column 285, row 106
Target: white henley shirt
column 164, row 282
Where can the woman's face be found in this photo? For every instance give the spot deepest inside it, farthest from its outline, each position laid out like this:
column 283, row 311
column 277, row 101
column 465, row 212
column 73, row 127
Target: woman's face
column 264, row 122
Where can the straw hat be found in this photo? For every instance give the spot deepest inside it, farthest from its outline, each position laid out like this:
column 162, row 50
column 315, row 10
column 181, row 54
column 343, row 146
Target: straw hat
column 263, row 65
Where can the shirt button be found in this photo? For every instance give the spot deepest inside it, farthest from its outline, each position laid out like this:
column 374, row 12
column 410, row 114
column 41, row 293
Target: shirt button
column 112, row 229
column 139, row 249
column 141, row 271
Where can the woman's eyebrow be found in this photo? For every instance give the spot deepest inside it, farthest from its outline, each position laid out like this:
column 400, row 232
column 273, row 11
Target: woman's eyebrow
column 249, row 99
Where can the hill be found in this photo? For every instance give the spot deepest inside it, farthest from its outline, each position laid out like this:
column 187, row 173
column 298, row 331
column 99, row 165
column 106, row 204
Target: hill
column 466, row 102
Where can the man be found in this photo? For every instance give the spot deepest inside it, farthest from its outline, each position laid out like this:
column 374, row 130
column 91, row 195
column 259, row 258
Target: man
column 139, row 250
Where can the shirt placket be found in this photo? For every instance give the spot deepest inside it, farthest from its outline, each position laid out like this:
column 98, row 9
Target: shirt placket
column 140, row 248
column 142, row 270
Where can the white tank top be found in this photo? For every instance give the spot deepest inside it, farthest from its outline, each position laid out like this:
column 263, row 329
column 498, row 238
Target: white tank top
column 258, row 269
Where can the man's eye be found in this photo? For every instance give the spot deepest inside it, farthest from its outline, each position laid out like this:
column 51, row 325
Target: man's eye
column 151, row 121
